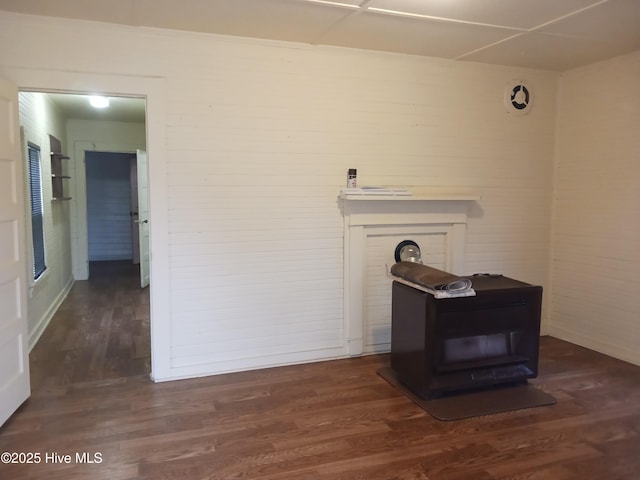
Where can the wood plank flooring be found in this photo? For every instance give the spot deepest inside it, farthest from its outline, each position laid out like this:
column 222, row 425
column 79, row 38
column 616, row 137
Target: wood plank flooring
column 100, row 331
column 324, row 421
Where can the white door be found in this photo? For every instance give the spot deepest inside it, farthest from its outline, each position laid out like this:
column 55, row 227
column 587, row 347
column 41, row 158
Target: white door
column 143, row 215
column 135, row 234
column 14, row 353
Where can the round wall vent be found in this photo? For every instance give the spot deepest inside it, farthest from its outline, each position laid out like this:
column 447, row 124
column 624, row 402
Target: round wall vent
column 518, row 97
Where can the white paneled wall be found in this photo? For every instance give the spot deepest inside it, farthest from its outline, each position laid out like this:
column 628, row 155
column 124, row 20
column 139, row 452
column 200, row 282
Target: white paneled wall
column 259, row 137
column 39, row 117
column 596, row 287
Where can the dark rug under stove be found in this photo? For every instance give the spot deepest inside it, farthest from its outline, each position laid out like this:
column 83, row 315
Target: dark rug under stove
column 504, row 398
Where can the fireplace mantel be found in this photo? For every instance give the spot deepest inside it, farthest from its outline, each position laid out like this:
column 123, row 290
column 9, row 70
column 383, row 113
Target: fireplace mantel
column 436, row 197
column 367, row 216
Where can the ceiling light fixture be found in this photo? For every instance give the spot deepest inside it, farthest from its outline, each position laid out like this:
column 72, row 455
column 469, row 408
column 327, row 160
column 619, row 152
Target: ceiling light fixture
column 97, row 101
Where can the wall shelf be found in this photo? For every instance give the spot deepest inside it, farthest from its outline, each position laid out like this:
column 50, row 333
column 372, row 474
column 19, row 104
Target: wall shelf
column 57, row 175
column 445, row 197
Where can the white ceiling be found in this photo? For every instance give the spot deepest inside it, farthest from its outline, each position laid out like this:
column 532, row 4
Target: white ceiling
column 121, row 109
column 544, row 34
column 552, row 35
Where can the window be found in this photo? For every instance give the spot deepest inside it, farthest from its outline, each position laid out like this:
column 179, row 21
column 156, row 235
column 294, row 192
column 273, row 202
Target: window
column 37, row 224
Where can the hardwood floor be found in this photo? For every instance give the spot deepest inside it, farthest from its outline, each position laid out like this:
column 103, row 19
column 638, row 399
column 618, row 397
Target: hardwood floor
column 101, row 330
column 324, row 421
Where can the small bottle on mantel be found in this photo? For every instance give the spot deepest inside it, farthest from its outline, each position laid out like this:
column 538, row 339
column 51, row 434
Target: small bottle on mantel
column 351, row 178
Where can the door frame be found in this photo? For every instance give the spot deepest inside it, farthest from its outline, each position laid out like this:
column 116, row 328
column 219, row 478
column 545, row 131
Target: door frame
column 85, row 234
column 153, row 90
column 78, row 207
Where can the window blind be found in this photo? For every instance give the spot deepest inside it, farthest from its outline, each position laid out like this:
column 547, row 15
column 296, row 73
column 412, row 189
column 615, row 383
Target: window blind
column 37, row 212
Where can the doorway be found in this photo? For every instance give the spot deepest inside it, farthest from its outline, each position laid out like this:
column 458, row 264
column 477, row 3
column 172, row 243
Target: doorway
column 118, row 209
column 102, row 329
column 111, row 179
column 153, row 90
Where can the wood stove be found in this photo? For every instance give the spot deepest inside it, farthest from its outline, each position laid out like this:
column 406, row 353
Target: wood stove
column 445, row 345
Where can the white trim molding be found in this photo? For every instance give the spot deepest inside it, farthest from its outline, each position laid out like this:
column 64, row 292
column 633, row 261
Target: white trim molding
column 153, row 90
column 369, row 216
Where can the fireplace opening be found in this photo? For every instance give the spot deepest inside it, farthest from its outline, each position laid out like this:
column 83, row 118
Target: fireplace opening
column 475, row 348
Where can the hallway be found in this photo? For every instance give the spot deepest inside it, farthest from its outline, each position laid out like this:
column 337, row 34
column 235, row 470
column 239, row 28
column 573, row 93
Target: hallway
column 100, row 332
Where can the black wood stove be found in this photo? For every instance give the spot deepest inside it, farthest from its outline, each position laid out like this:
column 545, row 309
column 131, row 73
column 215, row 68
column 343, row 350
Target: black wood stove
column 445, row 345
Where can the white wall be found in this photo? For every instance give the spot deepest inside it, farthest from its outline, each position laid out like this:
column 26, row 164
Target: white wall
column 259, row 137
column 596, row 287
column 40, row 117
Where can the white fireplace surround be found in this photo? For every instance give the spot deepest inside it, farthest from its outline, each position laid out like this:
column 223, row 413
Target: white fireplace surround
column 366, row 216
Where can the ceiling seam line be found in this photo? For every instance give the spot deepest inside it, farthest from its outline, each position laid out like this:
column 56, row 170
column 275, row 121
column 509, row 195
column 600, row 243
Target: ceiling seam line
column 459, row 57
column 397, row 13
column 575, row 12
column 318, row 38
column 531, row 30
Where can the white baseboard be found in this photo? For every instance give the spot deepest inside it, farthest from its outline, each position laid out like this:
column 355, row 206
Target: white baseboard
column 253, row 363
column 42, row 324
column 577, row 338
